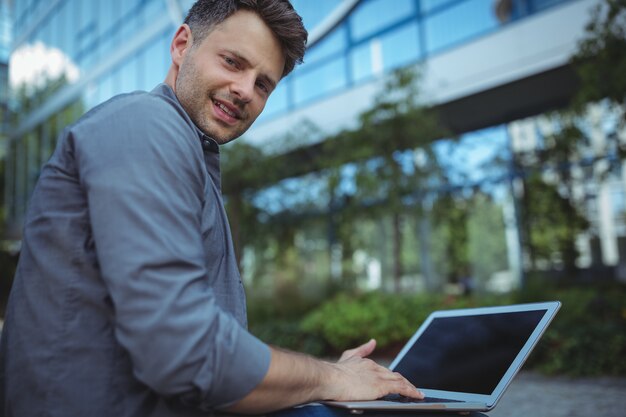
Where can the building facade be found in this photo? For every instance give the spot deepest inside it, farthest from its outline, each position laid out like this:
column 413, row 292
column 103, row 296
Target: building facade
column 490, row 68
column 5, row 45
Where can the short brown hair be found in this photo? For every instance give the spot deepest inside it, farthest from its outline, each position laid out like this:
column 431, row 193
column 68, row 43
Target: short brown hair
column 278, row 15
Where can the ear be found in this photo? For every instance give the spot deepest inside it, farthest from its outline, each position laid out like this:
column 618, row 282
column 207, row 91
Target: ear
column 180, row 44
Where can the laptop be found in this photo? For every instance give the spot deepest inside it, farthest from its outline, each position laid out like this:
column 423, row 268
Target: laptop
column 463, row 360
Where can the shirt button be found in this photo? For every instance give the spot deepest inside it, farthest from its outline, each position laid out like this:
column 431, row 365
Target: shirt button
column 206, row 145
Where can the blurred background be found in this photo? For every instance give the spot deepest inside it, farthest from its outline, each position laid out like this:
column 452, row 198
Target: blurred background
column 428, row 154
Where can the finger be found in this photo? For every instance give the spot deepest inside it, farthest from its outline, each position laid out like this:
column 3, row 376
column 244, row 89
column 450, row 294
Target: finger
column 406, row 388
column 362, row 351
column 366, row 349
column 411, row 392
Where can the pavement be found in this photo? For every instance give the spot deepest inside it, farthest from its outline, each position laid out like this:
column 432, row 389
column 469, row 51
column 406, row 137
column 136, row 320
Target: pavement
column 535, row 395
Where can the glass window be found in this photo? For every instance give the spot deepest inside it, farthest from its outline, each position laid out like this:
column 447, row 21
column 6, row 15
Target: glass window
column 459, row 23
column 56, row 32
column 87, row 13
column 127, row 8
column 156, row 62
column 129, row 75
column 64, row 29
column 116, row 7
column 106, row 17
column 140, row 81
column 5, row 35
column 185, row 5
column 105, row 88
column 127, row 28
column 401, row 46
column 86, row 39
column 71, row 15
column 278, row 101
column 18, row 10
column 333, row 43
column 37, row 35
column 151, row 9
column 361, row 61
column 320, row 81
column 537, row 5
column 91, row 96
column 21, row 13
column 35, row 7
column 375, row 15
column 116, row 81
column 379, row 55
column 428, row 5
column 470, row 159
column 106, row 45
column 88, row 59
column 314, row 12
column 45, row 32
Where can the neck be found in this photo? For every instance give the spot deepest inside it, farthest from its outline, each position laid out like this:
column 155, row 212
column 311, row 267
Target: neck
column 170, row 78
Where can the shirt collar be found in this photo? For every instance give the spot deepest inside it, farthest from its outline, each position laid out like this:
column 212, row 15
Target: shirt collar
column 208, row 143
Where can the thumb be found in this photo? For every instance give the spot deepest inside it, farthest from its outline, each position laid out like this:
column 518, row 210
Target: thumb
column 361, row 351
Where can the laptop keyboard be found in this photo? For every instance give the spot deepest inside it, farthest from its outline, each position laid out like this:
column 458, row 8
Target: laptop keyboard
column 402, row 399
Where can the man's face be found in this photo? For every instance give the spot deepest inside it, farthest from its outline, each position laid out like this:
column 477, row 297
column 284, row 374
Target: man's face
column 224, row 82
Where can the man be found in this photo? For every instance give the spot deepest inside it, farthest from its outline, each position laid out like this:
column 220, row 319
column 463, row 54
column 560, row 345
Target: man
column 127, row 299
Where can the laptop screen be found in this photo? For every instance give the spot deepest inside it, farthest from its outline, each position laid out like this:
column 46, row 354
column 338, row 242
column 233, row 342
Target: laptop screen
column 468, row 353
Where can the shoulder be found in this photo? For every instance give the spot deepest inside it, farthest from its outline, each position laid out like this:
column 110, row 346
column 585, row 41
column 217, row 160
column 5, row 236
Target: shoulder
column 137, row 111
column 137, row 123
column 136, row 131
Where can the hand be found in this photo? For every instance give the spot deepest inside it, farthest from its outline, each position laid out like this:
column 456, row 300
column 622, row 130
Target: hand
column 295, row 378
column 358, row 378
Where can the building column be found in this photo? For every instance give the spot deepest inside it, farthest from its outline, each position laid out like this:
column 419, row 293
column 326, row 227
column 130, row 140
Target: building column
column 424, row 238
column 606, row 221
column 512, row 238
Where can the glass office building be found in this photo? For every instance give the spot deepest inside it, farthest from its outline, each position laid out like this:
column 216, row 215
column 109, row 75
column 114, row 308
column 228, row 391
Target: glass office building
column 5, row 44
column 490, row 67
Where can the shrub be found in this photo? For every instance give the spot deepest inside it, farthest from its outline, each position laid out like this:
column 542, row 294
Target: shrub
column 587, row 337
column 349, row 320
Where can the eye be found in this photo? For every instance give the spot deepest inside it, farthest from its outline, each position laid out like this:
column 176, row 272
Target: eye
column 230, row 62
column 263, row 87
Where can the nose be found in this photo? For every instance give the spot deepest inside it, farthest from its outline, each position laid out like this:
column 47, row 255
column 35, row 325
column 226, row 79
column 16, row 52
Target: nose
column 243, row 87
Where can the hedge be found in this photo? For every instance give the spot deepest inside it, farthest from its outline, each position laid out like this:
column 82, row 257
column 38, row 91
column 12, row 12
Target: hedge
column 587, row 338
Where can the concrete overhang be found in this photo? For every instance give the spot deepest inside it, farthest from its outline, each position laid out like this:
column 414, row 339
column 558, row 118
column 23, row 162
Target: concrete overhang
column 538, row 93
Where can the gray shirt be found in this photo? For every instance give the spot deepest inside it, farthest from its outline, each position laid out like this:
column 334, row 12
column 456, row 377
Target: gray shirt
column 127, row 299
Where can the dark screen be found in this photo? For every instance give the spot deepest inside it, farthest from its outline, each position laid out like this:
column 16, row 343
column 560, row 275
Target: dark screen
column 468, row 354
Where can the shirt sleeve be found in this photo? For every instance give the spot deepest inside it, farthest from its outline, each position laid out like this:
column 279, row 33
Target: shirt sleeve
column 144, row 178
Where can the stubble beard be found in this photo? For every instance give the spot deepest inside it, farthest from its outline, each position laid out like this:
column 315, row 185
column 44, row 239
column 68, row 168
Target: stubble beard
column 198, row 104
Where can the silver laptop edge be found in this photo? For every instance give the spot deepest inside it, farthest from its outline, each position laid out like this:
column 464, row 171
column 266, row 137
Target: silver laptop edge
column 470, row 401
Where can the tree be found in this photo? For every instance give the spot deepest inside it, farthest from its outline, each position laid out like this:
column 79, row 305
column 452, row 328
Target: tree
column 551, row 215
column 554, row 224
column 382, row 148
column 380, row 152
column 601, row 56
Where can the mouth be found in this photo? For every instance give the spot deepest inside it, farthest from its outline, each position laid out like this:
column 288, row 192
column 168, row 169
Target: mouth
column 225, row 112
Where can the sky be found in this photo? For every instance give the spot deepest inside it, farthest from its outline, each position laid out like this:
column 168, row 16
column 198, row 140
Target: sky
column 34, row 64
